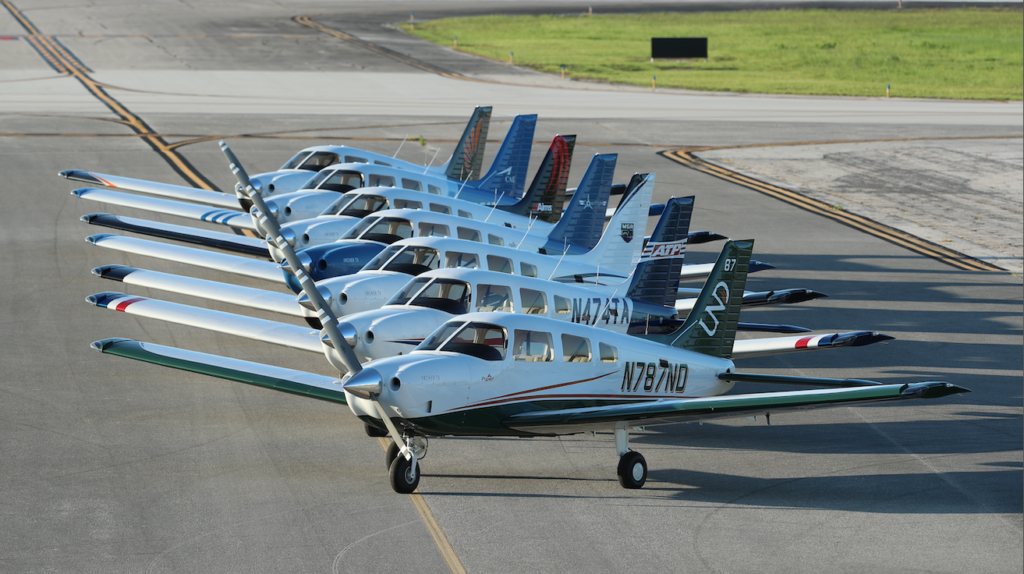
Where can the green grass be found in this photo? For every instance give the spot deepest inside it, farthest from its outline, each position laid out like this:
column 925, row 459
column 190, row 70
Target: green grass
column 963, row 54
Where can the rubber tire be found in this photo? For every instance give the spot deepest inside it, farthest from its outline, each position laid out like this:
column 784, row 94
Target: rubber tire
column 398, row 475
column 391, row 454
column 629, row 464
column 374, row 432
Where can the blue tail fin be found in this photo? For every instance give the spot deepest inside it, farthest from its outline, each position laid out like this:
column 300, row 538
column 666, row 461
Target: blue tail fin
column 508, row 173
column 468, row 158
column 544, row 197
column 583, row 220
column 656, row 279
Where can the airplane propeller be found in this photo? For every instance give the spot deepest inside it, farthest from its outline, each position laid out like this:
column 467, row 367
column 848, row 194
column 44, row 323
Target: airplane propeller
column 243, row 198
column 366, row 384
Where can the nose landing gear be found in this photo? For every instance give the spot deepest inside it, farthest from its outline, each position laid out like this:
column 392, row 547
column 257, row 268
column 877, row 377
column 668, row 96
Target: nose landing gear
column 632, row 469
column 404, row 473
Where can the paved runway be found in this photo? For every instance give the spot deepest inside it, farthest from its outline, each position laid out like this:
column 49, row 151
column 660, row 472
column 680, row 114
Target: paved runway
column 116, row 466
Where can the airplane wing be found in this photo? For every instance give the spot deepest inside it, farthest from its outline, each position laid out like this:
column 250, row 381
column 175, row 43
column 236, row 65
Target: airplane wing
column 294, row 336
column 154, row 188
column 702, row 270
column 265, row 270
column 746, row 348
column 690, row 410
column 229, row 217
column 257, row 374
column 205, row 237
column 756, row 299
column 272, row 301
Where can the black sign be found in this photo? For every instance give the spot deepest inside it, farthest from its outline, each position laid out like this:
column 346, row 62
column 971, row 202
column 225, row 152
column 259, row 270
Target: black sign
column 679, row 48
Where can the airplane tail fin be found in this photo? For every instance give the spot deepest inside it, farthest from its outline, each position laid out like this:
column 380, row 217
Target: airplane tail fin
column 582, row 221
column 545, row 196
column 508, row 172
column 468, row 158
column 656, row 279
column 620, row 246
column 710, row 328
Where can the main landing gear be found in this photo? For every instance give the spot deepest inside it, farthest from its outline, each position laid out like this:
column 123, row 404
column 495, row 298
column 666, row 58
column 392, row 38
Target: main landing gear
column 404, row 473
column 632, row 469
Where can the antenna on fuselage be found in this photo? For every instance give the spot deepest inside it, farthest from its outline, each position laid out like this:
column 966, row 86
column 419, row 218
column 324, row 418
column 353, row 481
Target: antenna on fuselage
column 400, row 146
column 495, row 206
column 463, row 186
column 346, row 356
column 565, row 249
column 432, row 160
column 527, row 234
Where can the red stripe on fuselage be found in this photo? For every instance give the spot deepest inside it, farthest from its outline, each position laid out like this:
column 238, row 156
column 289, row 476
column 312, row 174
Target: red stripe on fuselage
column 124, row 304
column 802, row 343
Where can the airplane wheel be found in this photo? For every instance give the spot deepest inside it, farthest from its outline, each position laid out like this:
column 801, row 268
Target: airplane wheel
column 404, row 478
column 632, row 470
column 373, row 431
column 391, row 454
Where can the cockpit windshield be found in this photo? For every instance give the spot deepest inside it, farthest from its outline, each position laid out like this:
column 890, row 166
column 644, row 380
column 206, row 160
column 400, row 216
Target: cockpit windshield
column 364, row 205
column 414, row 260
column 339, row 180
column 383, row 229
column 338, row 204
column 319, row 160
column 448, row 295
column 409, row 291
column 481, row 340
column 296, row 160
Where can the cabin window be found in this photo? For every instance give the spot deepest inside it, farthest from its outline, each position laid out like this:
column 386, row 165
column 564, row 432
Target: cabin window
column 337, row 180
column 609, row 354
column 428, row 229
column 447, row 295
column 562, row 305
column 433, row 189
column 499, row 264
column 527, row 270
column 412, row 184
column 467, row 260
column 377, row 180
column 384, row 229
column 534, row 302
column 496, row 298
column 575, row 349
column 532, row 346
column 414, row 260
column 364, row 204
column 319, row 160
column 296, row 160
column 480, row 340
column 469, row 234
column 465, row 214
column 407, row 204
column 438, row 208
column 495, row 240
column 355, row 159
column 378, row 162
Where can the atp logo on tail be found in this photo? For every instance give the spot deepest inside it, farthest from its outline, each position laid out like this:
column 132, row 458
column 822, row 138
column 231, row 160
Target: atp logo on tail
column 664, row 250
column 721, row 297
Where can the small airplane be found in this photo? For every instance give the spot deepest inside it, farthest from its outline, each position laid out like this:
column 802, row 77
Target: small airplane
column 465, row 163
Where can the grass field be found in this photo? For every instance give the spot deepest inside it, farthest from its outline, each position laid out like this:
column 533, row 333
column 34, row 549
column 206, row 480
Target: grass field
column 963, row 54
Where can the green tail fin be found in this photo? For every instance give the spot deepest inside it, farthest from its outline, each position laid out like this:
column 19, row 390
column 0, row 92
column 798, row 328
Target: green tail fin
column 710, row 328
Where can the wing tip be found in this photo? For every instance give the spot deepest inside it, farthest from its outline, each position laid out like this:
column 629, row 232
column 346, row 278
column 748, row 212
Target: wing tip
column 103, row 344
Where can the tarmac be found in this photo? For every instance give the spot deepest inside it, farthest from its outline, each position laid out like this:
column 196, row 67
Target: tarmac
column 112, row 465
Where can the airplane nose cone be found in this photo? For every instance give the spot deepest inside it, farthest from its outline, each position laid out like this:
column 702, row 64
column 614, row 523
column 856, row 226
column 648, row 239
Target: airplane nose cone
column 363, row 383
column 304, row 301
column 349, row 332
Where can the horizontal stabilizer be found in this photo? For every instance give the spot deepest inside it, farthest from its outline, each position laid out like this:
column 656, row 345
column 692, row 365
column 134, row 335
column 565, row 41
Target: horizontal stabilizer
column 272, row 301
column 766, row 328
column 204, row 237
column 294, row 336
column 698, row 237
column 257, row 374
column 789, row 380
column 181, row 192
column 779, row 345
column 230, row 217
column 727, row 406
column 265, row 270
column 756, row 299
column 701, row 271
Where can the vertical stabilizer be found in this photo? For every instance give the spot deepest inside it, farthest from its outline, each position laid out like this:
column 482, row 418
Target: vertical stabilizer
column 581, row 223
column 710, row 328
column 508, row 173
column 545, row 196
column 620, row 246
column 468, row 158
column 656, row 279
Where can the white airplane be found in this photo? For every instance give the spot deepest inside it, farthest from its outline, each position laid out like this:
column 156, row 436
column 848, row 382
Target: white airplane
column 556, row 378
column 542, row 203
column 465, row 163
